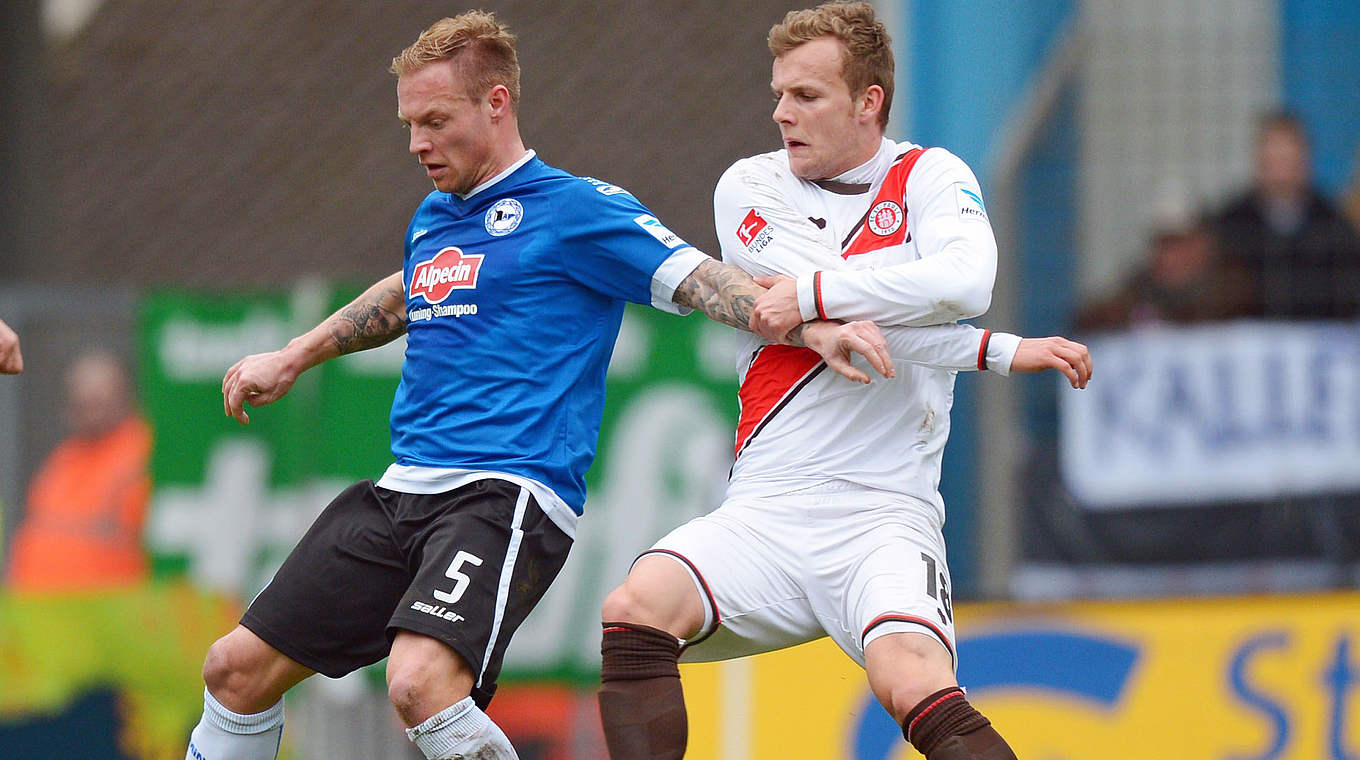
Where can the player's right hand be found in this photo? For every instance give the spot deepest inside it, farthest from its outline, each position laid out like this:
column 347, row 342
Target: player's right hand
column 775, row 311
column 836, row 342
column 258, row 379
column 1067, row 356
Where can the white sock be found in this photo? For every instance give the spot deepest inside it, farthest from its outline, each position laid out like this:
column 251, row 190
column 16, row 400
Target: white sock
column 224, row 735
column 461, row 731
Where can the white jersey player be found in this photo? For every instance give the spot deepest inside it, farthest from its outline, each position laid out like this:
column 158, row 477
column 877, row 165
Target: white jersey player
column 832, row 521
column 899, row 240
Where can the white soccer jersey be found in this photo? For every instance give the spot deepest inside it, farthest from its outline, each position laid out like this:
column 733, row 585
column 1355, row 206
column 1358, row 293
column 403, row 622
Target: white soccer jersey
column 902, row 240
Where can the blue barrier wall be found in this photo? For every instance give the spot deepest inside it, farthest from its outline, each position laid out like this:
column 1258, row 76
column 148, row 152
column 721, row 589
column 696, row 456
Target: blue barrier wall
column 1318, row 50
column 964, row 73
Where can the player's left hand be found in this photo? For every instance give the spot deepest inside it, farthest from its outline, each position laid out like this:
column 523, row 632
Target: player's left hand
column 776, row 310
column 1068, row 357
column 836, row 342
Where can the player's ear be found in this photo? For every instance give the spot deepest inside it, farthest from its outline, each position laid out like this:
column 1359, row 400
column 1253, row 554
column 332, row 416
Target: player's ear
column 870, row 103
column 498, row 98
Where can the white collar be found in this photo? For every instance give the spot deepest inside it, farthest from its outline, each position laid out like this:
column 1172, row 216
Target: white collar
column 872, row 170
column 524, row 159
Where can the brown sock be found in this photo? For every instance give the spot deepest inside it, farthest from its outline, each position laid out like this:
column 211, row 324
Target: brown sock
column 642, row 706
column 945, row 727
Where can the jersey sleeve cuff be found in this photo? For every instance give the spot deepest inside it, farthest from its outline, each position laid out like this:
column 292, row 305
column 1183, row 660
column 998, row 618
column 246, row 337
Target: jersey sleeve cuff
column 1001, row 350
column 810, row 297
column 670, row 274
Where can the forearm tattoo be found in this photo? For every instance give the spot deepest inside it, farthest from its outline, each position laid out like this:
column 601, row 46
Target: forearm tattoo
column 369, row 321
column 725, row 293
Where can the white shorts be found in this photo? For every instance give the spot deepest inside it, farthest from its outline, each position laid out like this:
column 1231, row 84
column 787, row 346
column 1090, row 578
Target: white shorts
column 836, row 560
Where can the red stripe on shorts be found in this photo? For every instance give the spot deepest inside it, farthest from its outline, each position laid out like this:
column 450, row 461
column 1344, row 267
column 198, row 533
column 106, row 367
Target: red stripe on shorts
column 896, row 616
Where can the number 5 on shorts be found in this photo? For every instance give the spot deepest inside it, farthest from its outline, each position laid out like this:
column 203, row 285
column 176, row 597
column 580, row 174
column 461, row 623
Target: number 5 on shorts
column 460, row 578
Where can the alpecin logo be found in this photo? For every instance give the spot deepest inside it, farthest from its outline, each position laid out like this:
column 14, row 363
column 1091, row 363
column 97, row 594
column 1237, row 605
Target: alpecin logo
column 449, row 270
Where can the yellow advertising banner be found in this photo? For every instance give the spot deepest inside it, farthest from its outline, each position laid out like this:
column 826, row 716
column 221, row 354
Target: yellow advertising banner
column 1254, row 678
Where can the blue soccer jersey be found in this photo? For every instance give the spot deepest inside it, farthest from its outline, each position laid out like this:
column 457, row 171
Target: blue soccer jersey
column 514, row 297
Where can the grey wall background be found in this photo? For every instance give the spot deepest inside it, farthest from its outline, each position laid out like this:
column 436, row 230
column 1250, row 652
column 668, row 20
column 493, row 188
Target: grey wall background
column 228, row 145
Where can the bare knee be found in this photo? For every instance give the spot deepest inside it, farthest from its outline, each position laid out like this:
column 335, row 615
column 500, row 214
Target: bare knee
column 425, row 676
column 659, row 593
column 906, row 668
column 623, row 606
column 246, row 675
column 902, row 697
column 407, row 685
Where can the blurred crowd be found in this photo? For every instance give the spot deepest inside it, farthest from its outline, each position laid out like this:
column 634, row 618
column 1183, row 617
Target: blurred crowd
column 1279, row 249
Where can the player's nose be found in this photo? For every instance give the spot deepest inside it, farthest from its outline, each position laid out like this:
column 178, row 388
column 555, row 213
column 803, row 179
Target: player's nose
column 418, row 144
column 782, row 113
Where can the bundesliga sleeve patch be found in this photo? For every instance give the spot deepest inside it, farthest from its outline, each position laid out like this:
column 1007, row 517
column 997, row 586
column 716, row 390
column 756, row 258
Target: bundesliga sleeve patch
column 754, row 232
column 750, row 227
column 653, row 226
column 970, row 203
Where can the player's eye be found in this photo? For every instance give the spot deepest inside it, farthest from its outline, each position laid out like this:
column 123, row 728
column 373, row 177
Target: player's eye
column 436, row 123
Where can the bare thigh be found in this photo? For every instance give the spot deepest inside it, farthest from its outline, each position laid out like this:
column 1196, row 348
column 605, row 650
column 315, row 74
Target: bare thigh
column 658, row 593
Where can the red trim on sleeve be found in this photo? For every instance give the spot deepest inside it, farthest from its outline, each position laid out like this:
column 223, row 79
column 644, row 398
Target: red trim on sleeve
column 817, row 293
column 982, row 350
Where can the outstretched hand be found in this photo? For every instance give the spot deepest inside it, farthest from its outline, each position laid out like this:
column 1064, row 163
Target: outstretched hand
column 835, row 342
column 11, row 360
column 1068, row 357
column 258, row 379
column 776, row 310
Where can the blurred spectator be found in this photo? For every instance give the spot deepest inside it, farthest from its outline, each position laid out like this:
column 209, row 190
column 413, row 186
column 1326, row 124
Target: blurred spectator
column 1184, row 280
column 87, row 504
column 1351, row 203
column 1301, row 255
column 11, row 361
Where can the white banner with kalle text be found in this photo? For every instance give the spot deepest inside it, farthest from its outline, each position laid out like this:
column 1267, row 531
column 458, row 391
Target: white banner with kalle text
column 1236, row 411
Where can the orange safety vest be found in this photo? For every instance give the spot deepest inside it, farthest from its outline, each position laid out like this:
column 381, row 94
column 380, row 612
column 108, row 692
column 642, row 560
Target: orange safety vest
column 86, row 509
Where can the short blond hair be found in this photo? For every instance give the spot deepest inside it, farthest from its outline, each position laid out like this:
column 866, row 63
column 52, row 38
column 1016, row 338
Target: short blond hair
column 481, row 47
column 868, row 58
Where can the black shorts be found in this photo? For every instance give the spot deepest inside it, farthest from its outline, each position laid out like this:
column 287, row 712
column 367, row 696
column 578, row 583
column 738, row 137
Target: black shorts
column 464, row 567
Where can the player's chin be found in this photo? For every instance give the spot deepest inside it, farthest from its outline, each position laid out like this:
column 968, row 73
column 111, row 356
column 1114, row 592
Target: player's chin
column 443, row 179
column 805, row 169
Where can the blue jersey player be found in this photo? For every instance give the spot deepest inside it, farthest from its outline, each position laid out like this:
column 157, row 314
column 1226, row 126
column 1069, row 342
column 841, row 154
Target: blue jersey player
column 511, row 295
